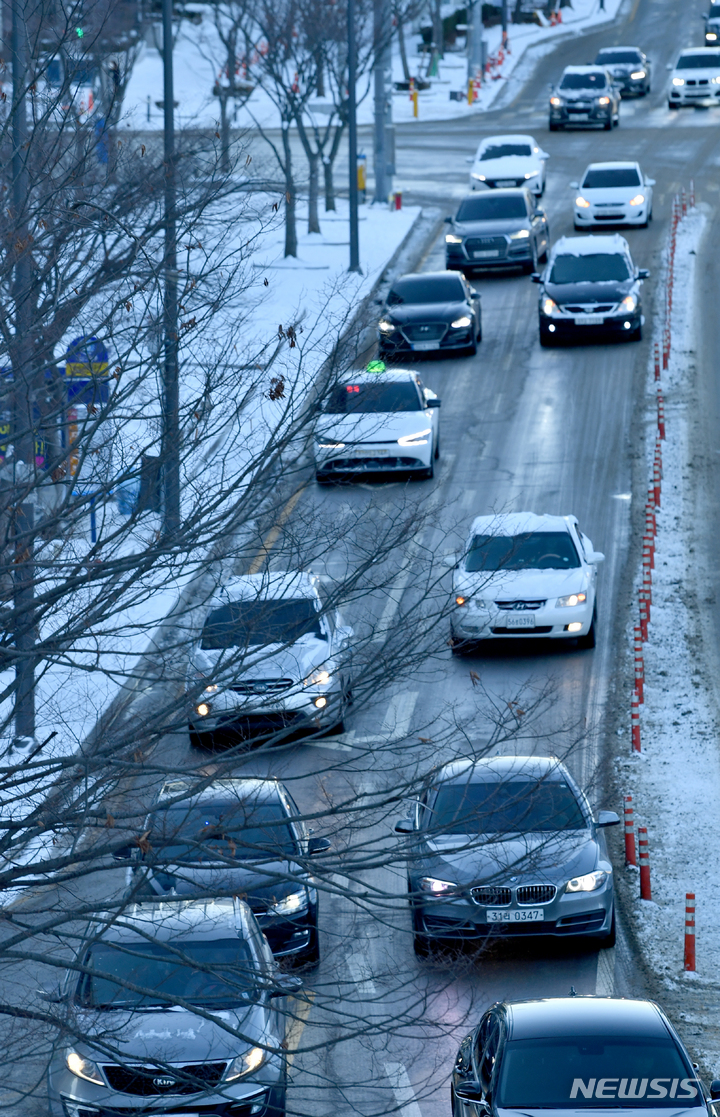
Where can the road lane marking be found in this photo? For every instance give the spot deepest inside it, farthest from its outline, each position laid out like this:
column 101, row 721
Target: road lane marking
column 271, row 538
column 396, row 722
column 364, row 984
column 297, row 1027
column 605, row 981
column 402, row 1089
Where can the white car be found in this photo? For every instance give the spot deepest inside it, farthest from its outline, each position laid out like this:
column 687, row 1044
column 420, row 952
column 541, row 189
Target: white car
column 613, row 193
column 522, row 575
column 270, row 656
column 509, row 161
column 695, row 77
column 376, row 421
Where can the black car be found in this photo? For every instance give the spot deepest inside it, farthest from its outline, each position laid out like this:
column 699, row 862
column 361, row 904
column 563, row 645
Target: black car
column 569, row 1054
column 585, row 96
column 497, row 229
column 235, row 837
column 590, row 287
column 630, row 69
column 430, row 311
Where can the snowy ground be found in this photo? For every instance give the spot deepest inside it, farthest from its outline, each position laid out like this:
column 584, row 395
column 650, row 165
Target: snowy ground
column 199, row 59
column 677, row 775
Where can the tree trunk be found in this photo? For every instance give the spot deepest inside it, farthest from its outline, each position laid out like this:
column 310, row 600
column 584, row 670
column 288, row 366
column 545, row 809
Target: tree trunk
column 329, row 185
column 314, row 190
column 224, row 133
column 403, row 51
column 437, row 23
column 290, row 201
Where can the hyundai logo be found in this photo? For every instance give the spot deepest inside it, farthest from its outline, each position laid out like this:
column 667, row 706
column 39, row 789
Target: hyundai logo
column 261, row 688
column 164, row 1081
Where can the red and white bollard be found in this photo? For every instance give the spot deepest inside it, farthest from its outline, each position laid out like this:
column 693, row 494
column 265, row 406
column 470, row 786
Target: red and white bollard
column 650, row 523
column 661, row 414
column 657, row 361
column 643, row 618
column 689, row 961
column 630, row 857
column 648, row 552
column 645, row 891
column 684, row 203
column 635, row 723
column 657, row 485
column 692, row 193
column 647, row 593
column 639, row 667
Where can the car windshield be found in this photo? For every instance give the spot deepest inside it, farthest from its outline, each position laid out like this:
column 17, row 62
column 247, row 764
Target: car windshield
column 697, row 62
column 515, row 806
column 591, row 267
column 213, row 974
column 594, row 80
column 539, row 550
column 234, row 831
column 426, row 289
column 611, row 176
column 383, row 397
column 501, row 151
column 595, row 1072
column 242, row 624
column 618, row 57
column 492, row 207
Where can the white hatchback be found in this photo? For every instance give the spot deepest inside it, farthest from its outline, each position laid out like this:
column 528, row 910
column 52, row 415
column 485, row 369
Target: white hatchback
column 613, row 194
column 509, row 161
column 522, row 575
column 695, row 78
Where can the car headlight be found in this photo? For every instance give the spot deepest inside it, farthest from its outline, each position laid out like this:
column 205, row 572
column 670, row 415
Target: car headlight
column 556, row 101
column 318, row 678
column 83, row 1068
column 450, row 238
column 203, row 709
column 325, row 442
column 246, row 1064
column 296, row 901
column 571, row 599
column 550, row 308
column 385, row 326
column 418, row 439
column 715, row 81
column 637, row 200
column 479, row 178
column 211, row 688
column 438, row 887
column 521, row 234
column 587, row 883
column 628, row 304
column 532, row 174
column 461, row 323
column 678, row 81
column 639, row 74
column 710, row 36
column 603, row 101
column 582, row 202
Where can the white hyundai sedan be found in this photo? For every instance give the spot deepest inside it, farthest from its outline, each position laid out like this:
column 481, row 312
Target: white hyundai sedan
column 695, row 78
column 509, row 161
column 380, row 420
column 522, row 575
column 614, row 194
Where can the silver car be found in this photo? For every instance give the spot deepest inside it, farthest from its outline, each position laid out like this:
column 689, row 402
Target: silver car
column 507, row 846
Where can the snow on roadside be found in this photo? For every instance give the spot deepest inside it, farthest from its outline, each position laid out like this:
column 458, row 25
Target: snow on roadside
column 677, row 775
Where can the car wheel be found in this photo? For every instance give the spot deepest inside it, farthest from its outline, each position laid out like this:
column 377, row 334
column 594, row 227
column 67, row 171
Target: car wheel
column 608, row 940
column 310, row 957
column 608, row 126
column 457, row 646
column 472, row 348
column 636, row 335
column 546, row 339
column 277, row 1102
column 542, row 258
column 673, row 105
column 429, row 473
column 588, row 641
column 322, row 479
column 437, row 449
column 553, row 127
column 199, row 740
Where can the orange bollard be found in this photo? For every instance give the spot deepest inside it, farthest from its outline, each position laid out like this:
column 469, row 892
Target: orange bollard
column 635, row 723
column 645, row 891
column 630, row 858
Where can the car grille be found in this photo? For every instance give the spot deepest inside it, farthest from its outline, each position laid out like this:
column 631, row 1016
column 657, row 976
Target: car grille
column 601, row 308
column 538, row 630
column 262, row 686
column 490, row 896
column 608, row 205
column 147, row 1084
column 579, row 108
column 608, row 216
column 492, row 183
column 700, row 81
column 478, row 244
column 432, row 331
column 536, row 893
column 370, row 463
column 519, row 606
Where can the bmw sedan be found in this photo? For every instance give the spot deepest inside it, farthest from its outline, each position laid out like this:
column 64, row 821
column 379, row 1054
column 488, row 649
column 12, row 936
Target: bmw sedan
column 630, row 69
column 522, row 576
column 272, row 655
column 233, row 837
column 585, row 96
column 172, row 1011
column 613, row 193
column 497, row 229
column 509, row 161
column 382, row 420
column 507, row 846
column 573, row 1055
column 590, row 289
column 436, row 312
column 695, row 78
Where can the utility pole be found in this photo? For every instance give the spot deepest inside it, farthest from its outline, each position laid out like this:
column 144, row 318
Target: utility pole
column 384, row 153
column 475, row 53
column 23, row 402
column 352, row 139
column 171, row 393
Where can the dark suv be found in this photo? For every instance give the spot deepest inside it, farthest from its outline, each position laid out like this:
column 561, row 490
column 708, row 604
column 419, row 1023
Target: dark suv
column 497, row 229
column 630, row 68
column 585, row 96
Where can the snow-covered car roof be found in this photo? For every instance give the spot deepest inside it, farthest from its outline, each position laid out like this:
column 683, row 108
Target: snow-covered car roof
column 498, row 768
column 510, row 137
column 591, row 69
column 517, row 523
column 612, row 244
column 706, row 52
column 242, row 788
column 615, row 165
column 623, row 46
column 369, row 377
column 269, row 584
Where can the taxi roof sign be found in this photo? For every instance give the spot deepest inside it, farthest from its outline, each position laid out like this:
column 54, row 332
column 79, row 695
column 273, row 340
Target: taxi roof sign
column 376, row 366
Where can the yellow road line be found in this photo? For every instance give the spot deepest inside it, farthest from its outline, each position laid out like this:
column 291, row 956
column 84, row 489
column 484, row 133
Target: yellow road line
column 271, row 538
column 296, row 1029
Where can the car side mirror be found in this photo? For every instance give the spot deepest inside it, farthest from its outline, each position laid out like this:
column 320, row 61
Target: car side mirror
column 451, row 559
column 470, row 159
column 715, row 1090
column 574, row 185
column 447, row 220
column 595, row 557
column 125, row 853
column 285, row 985
column 643, row 273
column 544, row 154
column 669, row 66
column 318, row 845
column 471, row 1093
column 607, row 818
column 52, row 996
column 475, row 295
column 539, row 212
column 432, row 402
column 649, row 181
column 536, row 277
column 404, row 826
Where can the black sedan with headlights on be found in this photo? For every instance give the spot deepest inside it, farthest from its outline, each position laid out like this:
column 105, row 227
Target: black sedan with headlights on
column 497, row 229
column 590, row 288
column 630, row 69
column 432, row 311
column 585, row 96
column 573, row 1054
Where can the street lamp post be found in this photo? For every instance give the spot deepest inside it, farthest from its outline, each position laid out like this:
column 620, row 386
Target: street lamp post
column 352, row 139
column 171, row 394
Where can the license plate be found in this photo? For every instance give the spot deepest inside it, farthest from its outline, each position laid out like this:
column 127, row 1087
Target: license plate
column 423, row 346
column 376, row 453
column 525, row 621
column 506, row 182
column 589, row 319
column 580, row 116
column 486, row 253
column 502, row 915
